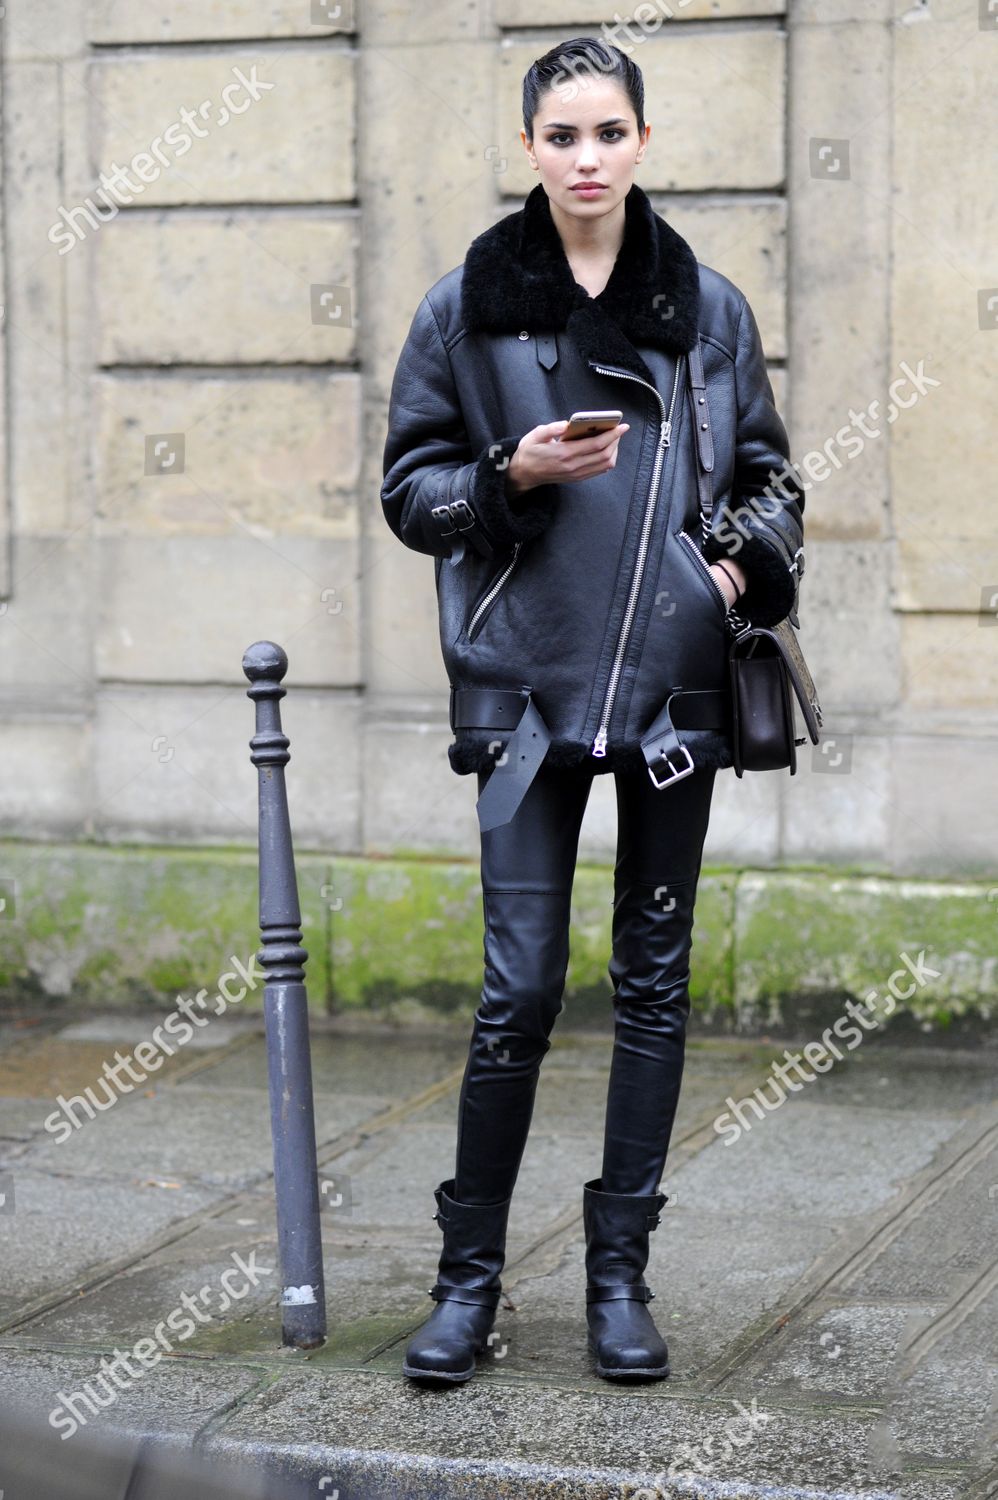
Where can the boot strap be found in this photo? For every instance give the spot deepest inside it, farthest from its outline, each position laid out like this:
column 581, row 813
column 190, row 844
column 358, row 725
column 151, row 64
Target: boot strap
column 618, row 1293
column 481, row 1295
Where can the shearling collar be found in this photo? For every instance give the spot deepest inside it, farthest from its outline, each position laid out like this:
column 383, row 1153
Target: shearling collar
column 516, row 275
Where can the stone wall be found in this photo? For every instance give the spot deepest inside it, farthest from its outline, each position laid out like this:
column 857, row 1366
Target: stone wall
column 195, row 397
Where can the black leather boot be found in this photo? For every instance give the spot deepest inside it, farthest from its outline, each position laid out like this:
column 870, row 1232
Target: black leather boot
column 467, row 1289
column 622, row 1334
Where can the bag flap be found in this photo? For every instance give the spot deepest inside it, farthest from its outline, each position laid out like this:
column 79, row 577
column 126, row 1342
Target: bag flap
column 784, row 639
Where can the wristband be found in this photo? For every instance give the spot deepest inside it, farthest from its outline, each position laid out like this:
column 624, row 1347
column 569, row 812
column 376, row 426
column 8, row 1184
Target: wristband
column 738, row 592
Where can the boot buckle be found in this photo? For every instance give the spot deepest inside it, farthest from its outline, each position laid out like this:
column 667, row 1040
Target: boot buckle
column 629, row 1291
column 476, row 1295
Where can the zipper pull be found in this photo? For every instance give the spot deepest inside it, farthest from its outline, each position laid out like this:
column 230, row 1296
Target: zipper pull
column 599, row 743
column 666, row 437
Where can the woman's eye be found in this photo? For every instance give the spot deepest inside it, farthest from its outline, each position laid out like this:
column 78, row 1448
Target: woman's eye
column 556, row 140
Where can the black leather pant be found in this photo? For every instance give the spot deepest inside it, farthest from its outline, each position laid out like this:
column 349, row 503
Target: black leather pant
column 528, row 866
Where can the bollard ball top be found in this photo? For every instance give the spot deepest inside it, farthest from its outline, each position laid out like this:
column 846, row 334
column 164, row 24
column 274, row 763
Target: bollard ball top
column 264, row 661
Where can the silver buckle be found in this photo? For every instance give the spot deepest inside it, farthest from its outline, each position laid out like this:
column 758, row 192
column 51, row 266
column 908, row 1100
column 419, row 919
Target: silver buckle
column 442, row 513
column 462, row 508
column 674, row 775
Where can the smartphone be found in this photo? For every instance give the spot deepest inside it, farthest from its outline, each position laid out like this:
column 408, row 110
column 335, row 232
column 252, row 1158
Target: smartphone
column 588, row 423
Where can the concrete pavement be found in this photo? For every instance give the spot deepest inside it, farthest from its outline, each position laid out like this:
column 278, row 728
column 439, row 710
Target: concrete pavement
column 826, row 1281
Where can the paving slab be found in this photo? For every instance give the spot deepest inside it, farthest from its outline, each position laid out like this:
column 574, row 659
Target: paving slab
column 874, row 1075
column 219, row 1137
column 172, row 1400
column 954, row 1234
column 64, row 1228
column 394, row 1066
column 370, row 1293
column 809, row 1157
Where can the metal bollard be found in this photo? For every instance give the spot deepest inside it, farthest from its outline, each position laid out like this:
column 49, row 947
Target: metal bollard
column 285, row 1005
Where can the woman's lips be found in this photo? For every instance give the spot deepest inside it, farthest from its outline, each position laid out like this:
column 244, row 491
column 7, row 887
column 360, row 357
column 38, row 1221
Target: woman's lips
column 587, row 188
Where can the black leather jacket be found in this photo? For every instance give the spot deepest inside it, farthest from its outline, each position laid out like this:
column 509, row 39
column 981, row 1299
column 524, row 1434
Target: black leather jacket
column 596, row 593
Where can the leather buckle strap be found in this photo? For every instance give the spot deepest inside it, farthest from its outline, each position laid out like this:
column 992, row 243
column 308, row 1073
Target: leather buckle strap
column 701, row 428
column 698, row 384
column 700, row 708
column 504, row 710
column 619, row 1294
column 479, row 1296
column 671, row 771
column 457, row 520
column 546, row 345
column 667, row 758
column 486, row 708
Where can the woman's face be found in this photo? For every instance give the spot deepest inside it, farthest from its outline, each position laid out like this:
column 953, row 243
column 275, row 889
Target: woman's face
column 591, row 139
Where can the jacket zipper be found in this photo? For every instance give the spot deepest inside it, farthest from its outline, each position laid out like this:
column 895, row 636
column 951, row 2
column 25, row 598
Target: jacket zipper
column 664, row 439
column 705, row 565
column 492, row 592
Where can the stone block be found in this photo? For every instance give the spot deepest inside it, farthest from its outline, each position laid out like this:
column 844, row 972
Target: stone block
column 429, row 188
column 267, row 454
column 46, row 664
column 944, row 303
column 43, row 792
column 236, row 288
column 173, row 766
column 836, row 810
column 181, row 609
column 948, row 662
column 232, row 126
column 848, row 632
column 839, row 257
column 644, row 21
column 944, row 813
column 222, row 20
column 745, row 241
column 36, row 314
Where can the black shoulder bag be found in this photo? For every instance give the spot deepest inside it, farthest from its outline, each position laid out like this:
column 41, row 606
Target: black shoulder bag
column 766, row 667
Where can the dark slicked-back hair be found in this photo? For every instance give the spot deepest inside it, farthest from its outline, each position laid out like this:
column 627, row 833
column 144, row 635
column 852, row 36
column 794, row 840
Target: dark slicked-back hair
column 571, row 65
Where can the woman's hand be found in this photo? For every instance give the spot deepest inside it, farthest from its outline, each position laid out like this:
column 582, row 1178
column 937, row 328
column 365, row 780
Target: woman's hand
column 722, row 577
column 541, row 458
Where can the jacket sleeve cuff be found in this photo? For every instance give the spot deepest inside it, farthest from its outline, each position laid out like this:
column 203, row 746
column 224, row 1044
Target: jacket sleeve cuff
column 770, row 587
column 509, row 518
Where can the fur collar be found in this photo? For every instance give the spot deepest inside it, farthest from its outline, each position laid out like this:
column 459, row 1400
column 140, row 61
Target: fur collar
column 516, row 275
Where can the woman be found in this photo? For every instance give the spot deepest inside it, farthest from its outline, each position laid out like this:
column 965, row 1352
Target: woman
column 583, row 602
